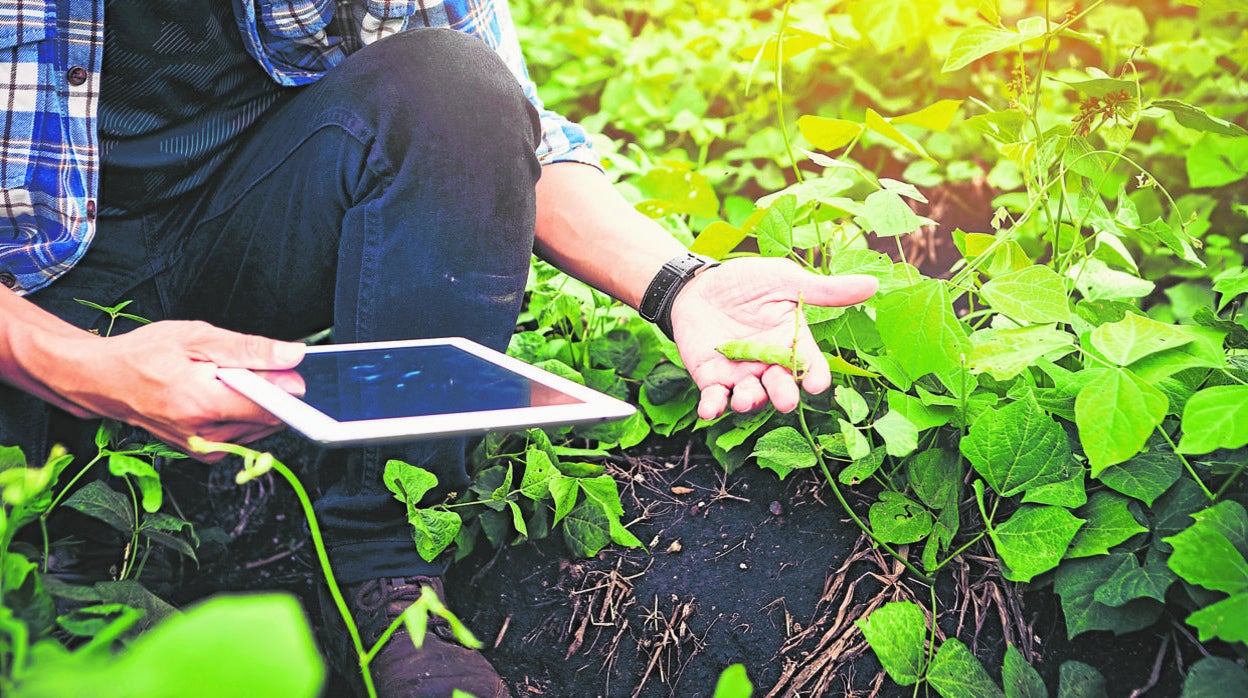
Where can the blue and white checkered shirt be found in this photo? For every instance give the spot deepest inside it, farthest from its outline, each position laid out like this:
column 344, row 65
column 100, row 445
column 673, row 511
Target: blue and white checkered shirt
column 49, row 89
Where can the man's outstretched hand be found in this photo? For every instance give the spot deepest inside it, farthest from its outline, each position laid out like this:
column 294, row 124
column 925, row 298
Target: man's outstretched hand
column 755, row 299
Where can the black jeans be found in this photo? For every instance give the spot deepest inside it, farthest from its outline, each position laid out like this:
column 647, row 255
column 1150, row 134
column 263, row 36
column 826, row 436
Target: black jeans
column 392, row 199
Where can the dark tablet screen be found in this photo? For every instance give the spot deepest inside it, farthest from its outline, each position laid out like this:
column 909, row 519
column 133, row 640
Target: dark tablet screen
column 416, row 381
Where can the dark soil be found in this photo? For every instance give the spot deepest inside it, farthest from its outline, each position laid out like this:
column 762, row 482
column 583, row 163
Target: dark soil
column 743, row 568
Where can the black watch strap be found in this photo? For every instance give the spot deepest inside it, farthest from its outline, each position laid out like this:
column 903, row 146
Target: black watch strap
column 656, row 304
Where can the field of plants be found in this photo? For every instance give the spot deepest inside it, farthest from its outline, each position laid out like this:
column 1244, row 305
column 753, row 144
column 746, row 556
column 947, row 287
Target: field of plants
column 1028, row 479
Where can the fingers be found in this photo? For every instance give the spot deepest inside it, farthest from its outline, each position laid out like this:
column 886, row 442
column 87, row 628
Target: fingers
column 236, row 350
column 837, row 290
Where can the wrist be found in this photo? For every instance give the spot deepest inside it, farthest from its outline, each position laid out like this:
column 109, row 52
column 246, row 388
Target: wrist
column 656, row 303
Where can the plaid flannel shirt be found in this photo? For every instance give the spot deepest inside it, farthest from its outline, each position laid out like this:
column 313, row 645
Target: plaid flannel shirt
column 49, row 85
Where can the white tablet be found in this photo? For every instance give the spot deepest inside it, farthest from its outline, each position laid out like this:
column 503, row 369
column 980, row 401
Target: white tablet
column 403, row 391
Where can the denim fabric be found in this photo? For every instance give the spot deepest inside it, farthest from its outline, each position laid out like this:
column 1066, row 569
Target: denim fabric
column 392, row 199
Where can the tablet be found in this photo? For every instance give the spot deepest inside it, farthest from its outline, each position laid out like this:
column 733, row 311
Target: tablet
column 378, row 392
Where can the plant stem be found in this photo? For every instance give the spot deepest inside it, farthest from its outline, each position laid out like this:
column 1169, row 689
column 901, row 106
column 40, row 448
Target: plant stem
column 840, row 497
column 318, row 543
column 1192, row 471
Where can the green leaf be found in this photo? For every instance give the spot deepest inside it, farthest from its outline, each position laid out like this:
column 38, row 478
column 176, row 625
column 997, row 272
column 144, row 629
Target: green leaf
column 976, row 42
column 1132, row 581
column 1032, row 295
column 1205, row 556
column 896, row 519
column 1215, row 418
column 564, row 491
column 1005, row 353
column 734, row 683
column 892, row 24
column 897, row 632
column 538, row 472
column 433, row 530
column 901, row 437
column 1196, row 118
column 920, row 330
column 1109, row 523
column 956, row 673
column 885, row 128
column 887, row 214
column 1017, row 447
column 1136, row 336
column 855, row 407
column 259, row 645
column 859, row 470
column 1077, row 582
column 1116, row 413
column 586, row 530
column 1215, row 677
column 783, row 450
column 828, row 134
column 1079, row 680
column 1034, row 540
column 144, row 475
column 775, row 229
column 100, row 501
column 1020, row 679
column 1145, row 476
column 1231, row 283
column 934, row 117
column 856, row 444
column 1225, row 620
column 676, row 187
column 409, row 483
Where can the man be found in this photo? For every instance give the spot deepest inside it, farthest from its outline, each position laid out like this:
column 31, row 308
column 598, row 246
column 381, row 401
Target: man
column 252, row 170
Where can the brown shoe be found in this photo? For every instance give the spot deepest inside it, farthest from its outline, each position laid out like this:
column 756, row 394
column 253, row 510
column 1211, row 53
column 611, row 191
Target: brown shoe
column 399, row 670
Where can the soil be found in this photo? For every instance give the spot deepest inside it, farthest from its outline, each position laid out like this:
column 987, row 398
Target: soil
column 742, row 568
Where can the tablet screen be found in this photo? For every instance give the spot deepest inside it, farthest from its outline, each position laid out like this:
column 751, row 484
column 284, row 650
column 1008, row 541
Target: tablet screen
column 414, row 381
column 400, row 391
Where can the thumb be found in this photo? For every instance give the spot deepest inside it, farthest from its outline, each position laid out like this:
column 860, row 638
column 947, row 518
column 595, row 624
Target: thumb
column 836, row 291
column 237, row 350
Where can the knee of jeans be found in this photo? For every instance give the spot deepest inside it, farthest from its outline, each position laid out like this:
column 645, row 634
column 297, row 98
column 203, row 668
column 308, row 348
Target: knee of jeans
column 443, row 83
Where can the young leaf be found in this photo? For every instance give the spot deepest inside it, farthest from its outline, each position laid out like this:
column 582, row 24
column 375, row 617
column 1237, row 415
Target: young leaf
column 1136, row 336
column 851, row 401
column 887, row 214
column 1116, row 413
column 1205, row 555
column 1033, row 295
column 897, row 632
column 920, row 330
column 409, row 483
column 828, row 134
column 1145, row 476
column 538, row 472
column 1017, row 447
column 734, row 683
column 433, row 530
column 1109, row 522
column 1034, row 540
column 956, row 673
column 901, row 437
column 1005, row 353
column 144, row 475
column 1132, row 581
column 783, row 450
column 1215, row 418
column 1196, row 118
column 976, row 42
column 934, row 117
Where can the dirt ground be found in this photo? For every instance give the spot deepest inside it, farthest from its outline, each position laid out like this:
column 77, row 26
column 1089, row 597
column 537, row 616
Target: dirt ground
column 738, row 569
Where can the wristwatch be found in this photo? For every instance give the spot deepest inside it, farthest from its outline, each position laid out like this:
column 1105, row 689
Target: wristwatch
column 656, row 304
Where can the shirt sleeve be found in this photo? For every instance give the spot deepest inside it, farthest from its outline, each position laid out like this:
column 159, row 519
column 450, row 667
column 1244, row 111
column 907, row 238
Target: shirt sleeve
column 490, row 20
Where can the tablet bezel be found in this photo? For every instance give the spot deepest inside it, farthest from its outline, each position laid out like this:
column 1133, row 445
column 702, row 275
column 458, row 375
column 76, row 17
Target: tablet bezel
column 594, row 406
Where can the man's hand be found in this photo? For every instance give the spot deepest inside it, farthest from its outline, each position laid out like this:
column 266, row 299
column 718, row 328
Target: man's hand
column 162, row 377
column 756, row 299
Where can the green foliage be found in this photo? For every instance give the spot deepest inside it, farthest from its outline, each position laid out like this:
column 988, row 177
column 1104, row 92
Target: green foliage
column 1079, row 363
